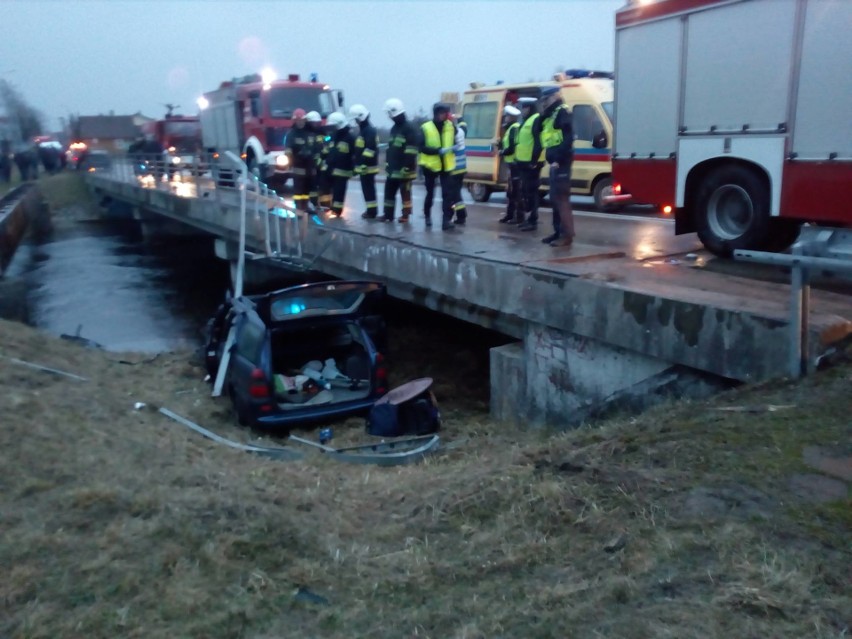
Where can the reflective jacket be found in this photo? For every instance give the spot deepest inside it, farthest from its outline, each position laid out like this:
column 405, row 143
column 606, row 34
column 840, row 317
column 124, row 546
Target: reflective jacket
column 366, row 149
column 458, row 150
column 557, row 134
column 432, row 145
column 510, row 142
column 529, row 140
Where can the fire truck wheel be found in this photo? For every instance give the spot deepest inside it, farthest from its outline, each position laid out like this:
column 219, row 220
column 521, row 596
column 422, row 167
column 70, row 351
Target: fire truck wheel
column 732, row 210
column 253, row 166
column 603, row 187
column 479, row 192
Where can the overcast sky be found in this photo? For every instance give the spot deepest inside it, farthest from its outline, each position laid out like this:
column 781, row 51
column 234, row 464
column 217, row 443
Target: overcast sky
column 91, row 57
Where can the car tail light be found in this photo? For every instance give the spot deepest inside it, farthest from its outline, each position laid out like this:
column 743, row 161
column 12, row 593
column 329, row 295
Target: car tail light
column 258, row 388
column 381, row 374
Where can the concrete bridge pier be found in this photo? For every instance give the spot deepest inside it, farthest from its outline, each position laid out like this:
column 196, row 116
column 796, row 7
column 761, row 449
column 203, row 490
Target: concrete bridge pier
column 561, row 379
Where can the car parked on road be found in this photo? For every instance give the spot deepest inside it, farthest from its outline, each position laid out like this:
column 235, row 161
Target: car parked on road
column 302, row 354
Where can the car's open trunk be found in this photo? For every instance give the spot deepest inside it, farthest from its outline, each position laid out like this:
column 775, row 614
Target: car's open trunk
column 293, row 348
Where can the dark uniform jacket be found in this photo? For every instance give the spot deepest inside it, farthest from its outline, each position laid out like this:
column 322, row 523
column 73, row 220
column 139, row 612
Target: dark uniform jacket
column 302, row 145
column 341, row 153
column 367, row 148
column 402, row 149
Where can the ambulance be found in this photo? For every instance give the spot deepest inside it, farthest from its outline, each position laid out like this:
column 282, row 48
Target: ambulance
column 589, row 95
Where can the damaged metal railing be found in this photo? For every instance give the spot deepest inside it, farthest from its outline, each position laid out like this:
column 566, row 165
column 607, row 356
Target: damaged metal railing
column 278, row 229
column 819, row 249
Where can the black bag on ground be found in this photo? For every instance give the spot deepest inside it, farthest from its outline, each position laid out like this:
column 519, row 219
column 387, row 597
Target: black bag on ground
column 406, row 410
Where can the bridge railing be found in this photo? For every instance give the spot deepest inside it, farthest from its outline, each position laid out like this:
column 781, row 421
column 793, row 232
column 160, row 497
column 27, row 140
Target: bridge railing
column 818, row 250
column 277, row 227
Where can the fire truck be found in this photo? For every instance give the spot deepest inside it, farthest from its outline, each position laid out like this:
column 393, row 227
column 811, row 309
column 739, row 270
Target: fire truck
column 251, row 116
column 178, row 135
column 736, row 115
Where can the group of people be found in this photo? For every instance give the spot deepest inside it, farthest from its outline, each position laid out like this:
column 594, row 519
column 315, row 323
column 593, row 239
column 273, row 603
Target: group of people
column 27, row 158
column 536, row 131
column 323, row 161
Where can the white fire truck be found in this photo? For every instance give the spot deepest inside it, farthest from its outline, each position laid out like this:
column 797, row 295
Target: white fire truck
column 737, row 114
column 251, row 116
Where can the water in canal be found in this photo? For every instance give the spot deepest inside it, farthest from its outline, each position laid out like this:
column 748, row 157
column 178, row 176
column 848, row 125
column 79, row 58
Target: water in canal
column 103, row 281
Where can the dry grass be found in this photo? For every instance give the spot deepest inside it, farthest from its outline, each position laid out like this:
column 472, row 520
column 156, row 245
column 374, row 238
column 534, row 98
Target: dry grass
column 116, row 522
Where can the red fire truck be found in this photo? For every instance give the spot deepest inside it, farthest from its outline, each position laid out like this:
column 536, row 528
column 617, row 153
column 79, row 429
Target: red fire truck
column 178, row 135
column 251, row 117
column 737, row 114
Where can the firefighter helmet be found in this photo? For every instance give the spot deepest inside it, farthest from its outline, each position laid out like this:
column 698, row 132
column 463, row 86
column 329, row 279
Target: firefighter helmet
column 394, row 107
column 358, row 112
column 313, row 116
column 336, row 120
column 299, row 114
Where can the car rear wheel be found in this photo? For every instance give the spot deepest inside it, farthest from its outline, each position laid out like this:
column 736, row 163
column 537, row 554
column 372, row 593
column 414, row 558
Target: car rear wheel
column 733, row 210
column 479, row 192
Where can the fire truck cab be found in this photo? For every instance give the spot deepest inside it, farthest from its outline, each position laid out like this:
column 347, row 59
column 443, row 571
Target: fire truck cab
column 736, row 113
column 179, row 136
column 589, row 95
column 251, row 117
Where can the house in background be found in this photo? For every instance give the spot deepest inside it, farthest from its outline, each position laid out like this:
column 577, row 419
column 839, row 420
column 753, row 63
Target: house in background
column 111, row 133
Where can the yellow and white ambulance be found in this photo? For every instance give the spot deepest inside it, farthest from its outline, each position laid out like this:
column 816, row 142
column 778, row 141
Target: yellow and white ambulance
column 589, row 95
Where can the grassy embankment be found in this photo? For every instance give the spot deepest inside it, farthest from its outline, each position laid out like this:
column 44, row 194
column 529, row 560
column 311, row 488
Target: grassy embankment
column 691, row 520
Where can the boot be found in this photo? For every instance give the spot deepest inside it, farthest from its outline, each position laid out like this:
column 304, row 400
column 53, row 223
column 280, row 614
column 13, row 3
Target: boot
column 506, row 219
column 529, row 225
column 550, row 238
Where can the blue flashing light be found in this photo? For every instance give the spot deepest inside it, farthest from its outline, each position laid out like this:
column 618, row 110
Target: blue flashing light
column 314, row 77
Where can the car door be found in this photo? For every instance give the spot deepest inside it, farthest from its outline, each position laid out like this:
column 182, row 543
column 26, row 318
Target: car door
column 250, row 351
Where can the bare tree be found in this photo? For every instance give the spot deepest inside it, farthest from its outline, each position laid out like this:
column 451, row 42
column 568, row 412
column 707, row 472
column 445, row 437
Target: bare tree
column 25, row 120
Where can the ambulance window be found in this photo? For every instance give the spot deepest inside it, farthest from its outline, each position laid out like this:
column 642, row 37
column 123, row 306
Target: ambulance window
column 587, row 124
column 607, row 107
column 481, row 118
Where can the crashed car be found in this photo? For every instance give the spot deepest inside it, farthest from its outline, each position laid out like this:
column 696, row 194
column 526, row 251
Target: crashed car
column 303, row 354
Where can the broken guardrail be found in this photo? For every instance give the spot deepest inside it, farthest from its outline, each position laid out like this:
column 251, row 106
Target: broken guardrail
column 819, row 249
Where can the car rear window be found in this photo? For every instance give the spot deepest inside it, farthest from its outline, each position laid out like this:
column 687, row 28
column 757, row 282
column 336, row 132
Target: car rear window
column 315, row 302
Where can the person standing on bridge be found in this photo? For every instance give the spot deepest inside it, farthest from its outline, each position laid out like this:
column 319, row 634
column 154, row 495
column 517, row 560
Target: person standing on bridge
column 438, row 161
column 557, row 138
column 528, row 157
column 341, row 157
column 301, row 145
column 458, row 173
column 401, row 161
column 366, row 158
column 313, row 123
column 507, row 151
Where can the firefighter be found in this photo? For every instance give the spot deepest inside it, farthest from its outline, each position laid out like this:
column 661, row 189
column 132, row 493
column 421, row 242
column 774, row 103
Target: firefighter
column 341, row 155
column 507, row 151
column 557, row 138
column 438, row 161
column 366, row 158
column 529, row 163
column 401, row 161
column 301, row 145
column 313, row 123
column 458, row 173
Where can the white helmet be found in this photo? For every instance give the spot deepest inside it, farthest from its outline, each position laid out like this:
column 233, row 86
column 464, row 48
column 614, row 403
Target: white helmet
column 336, row 120
column 394, row 107
column 358, row 112
column 313, row 116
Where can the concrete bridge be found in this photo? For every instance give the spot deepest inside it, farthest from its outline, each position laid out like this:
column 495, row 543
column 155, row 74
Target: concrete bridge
column 628, row 315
